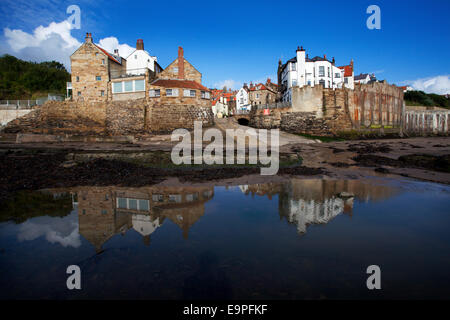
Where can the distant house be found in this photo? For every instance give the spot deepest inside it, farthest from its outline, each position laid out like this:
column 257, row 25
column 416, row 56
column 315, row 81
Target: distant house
column 365, row 78
column 140, row 61
column 92, row 67
column 179, row 83
column 242, row 99
column 262, row 94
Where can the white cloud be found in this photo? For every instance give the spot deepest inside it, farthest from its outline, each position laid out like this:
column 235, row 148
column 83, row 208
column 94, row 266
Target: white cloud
column 112, row 43
column 227, row 83
column 53, row 42
column 55, row 230
column 438, row 84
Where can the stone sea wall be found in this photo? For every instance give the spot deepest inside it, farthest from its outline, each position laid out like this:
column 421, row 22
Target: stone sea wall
column 109, row 118
column 374, row 108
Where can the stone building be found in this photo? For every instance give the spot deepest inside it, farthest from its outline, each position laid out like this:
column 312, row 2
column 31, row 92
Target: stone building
column 262, row 94
column 92, row 67
column 179, row 84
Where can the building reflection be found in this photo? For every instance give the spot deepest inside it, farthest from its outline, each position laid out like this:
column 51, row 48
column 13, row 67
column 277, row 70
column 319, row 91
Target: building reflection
column 309, row 202
column 106, row 211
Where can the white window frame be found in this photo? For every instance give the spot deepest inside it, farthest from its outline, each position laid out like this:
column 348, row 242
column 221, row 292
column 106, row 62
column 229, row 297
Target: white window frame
column 133, row 86
column 128, row 204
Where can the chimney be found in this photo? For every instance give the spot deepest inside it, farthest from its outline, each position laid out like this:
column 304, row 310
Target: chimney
column 333, row 61
column 351, row 63
column 268, row 80
column 325, row 56
column 88, row 37
column 180, row 63
column 116, row 52
column 140, row 44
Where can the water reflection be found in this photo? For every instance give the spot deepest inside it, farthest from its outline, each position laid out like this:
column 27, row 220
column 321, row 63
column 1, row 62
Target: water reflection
column 242, row 241
column 106, row 211
column 309, row 202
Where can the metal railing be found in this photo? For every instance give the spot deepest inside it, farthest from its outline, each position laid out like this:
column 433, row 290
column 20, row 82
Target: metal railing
column 242, row 111
column 116, row 74
column 27, row 104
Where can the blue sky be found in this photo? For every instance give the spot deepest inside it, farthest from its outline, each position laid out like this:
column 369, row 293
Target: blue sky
column 241, row 41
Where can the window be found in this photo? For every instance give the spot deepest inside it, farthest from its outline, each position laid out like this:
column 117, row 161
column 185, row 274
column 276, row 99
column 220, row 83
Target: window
column 133, row 204
column 157, row 198
column 143, row 205
column 205, row 95
column 294, row 83
column 192, row 93
column 121, row 203
column 346, row 80
column 328, row 72
column 79, row 93
column 337, row 75
column 175, row 69
column 96, row 54
column 103, row 61
column 104, row 211
column 155, row 93
column 102, row 93
column 98, row 78
column 139, row 85
column 117, row 87
column 321, row 71
column 322, row 83
column 168, row 92
column 172, row 92
column 175, row 198
column 257, row 96
column 128, row 86
column 135, row 56
column 78, row 79
column 292, row 66
column 309, row 82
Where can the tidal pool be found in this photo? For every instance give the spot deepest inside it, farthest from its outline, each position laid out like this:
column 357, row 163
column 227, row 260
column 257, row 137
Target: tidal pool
column 298, row 239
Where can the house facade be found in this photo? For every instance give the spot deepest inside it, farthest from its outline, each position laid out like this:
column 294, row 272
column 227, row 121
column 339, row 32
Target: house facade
column 179, row 83
column 92, row 68
column 242, row 99
column 303, row 71
column 262, row 94
column 140, row 61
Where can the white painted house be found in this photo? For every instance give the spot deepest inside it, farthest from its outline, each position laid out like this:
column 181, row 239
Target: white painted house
column 242, row 100
column 365, row 78
column 302, row 71
column 140, row 60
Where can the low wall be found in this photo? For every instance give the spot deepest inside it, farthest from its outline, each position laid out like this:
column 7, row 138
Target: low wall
column 426, row 122
column 165, row 118
column 9, row 115
column 109, row 118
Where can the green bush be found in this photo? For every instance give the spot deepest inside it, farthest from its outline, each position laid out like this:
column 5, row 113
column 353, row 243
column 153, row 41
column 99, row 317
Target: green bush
column 21, row 79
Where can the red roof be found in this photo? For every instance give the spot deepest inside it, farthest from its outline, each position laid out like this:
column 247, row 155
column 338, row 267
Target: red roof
column 108, row 54
column 188, row 84
column 348, row 70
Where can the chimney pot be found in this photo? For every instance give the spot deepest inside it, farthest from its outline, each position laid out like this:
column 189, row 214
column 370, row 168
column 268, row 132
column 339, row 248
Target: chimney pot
column 88, row 37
